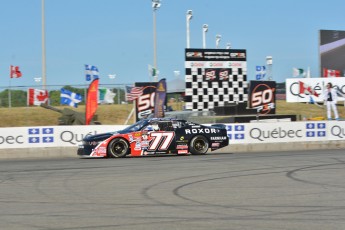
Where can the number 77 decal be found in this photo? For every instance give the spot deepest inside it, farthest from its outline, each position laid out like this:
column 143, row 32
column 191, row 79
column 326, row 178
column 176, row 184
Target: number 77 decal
column 161, row 140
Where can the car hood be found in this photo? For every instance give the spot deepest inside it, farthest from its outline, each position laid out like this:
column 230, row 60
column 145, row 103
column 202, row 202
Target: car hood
column 99, row 137
column 103, row 136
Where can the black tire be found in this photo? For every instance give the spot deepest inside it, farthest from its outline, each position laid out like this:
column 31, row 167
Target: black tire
column 117, row 148
column 198, row 145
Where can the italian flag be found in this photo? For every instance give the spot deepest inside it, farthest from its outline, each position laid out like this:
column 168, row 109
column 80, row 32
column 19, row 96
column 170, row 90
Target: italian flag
column 331, row 73
column 298, row 72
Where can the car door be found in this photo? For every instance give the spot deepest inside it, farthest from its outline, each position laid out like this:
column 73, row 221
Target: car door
column 163, row 139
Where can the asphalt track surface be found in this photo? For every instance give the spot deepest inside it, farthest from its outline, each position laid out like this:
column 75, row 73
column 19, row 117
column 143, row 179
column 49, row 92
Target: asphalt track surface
column 276, row 190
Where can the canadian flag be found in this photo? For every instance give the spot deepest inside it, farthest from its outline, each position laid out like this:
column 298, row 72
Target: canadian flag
column 14, row 72
column 37, row 96
column 306, row 89
column 331, row 73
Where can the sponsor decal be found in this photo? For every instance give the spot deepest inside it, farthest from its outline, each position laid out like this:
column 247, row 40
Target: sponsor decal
column 137, row 134
column 194, row 54
column 137, row 145
column 210, row 75
column 216, row 64
column 182, row 147
column 215, row 145
column 235, row 64
column 198, row 131
column 197, row 64
column 224, row 75
column 218, row 138
column 237, row 55
column 182, row 151
column 145, row 144
column 102, row 150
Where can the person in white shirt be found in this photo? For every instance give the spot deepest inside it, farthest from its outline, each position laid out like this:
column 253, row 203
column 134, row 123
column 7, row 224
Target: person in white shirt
column 330, row 97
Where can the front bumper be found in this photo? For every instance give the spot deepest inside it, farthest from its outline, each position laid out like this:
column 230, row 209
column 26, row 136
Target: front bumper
column 84, row 150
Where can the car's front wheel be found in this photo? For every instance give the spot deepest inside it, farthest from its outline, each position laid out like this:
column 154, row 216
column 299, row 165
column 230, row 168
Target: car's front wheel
column 198, row 145
column 118, row 147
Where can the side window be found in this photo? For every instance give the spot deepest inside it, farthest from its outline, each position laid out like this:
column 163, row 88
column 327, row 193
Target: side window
column 166, row 126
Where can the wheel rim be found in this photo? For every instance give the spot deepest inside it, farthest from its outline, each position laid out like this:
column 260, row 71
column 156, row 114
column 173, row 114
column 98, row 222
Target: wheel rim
column 119, row 148
column 200, row 145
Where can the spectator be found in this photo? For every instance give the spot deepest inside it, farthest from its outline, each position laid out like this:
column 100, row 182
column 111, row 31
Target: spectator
column 330, row 97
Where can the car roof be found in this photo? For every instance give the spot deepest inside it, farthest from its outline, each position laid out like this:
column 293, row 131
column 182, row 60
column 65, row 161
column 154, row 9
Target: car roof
column 164, row 119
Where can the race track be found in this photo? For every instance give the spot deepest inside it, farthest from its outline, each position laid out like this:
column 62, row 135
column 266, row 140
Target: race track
column 282, row 190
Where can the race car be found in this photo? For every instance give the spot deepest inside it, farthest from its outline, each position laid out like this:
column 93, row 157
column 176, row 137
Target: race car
column 156, row 136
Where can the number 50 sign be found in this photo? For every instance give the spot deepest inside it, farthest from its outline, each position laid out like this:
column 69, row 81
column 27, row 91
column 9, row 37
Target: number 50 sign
column 262, row 96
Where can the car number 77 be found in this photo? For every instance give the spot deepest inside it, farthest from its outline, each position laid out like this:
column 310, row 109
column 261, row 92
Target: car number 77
column 158, row 137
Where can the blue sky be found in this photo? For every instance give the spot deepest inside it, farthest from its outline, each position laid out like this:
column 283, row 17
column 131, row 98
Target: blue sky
column 117, row 36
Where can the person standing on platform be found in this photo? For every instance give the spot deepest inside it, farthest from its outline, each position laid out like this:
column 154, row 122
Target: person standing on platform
column 330, row 97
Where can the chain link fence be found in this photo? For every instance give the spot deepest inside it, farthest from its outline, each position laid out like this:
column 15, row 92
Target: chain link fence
column 17, row 96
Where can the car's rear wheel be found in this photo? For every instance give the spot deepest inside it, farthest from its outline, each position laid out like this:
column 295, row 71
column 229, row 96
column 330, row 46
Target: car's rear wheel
column 118, row 147
column 198, row 145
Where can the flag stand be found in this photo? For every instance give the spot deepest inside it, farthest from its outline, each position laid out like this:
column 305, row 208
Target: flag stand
column 130, row 114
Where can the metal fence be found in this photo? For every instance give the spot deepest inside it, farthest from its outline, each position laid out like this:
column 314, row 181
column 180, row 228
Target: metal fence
column 16, row 96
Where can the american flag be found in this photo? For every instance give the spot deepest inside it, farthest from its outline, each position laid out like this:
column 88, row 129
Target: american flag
column 133, row 93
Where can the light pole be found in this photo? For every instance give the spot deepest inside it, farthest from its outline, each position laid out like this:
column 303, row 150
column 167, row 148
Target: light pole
column 204, row 30
column 37, row 80
column 112, row 77
column 43, row 49
column 155, row 6
column 177, row 73
column 228, row 45
column 189, row 17
column 218, row 37
column 269, row 63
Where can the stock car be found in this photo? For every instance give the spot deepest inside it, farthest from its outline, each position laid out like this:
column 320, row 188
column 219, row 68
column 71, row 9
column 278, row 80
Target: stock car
column 156, row 136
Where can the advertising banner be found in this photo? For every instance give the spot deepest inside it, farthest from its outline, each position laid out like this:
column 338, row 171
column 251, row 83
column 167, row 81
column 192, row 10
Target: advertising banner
column 160, row 98
column 50, row 136
column 332, row 52
column 238, row 133
column 215, row 77
column 262, row 96
column 145, row 103
column 311, row 89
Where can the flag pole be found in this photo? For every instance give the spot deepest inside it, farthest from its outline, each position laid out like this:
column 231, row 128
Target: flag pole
column 43, row 49
column 9, row 91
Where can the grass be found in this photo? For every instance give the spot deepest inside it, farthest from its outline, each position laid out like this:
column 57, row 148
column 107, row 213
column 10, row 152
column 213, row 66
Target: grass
column 117, row 114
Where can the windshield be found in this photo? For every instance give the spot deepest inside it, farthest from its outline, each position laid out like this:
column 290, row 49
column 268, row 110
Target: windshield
column 135, row 127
